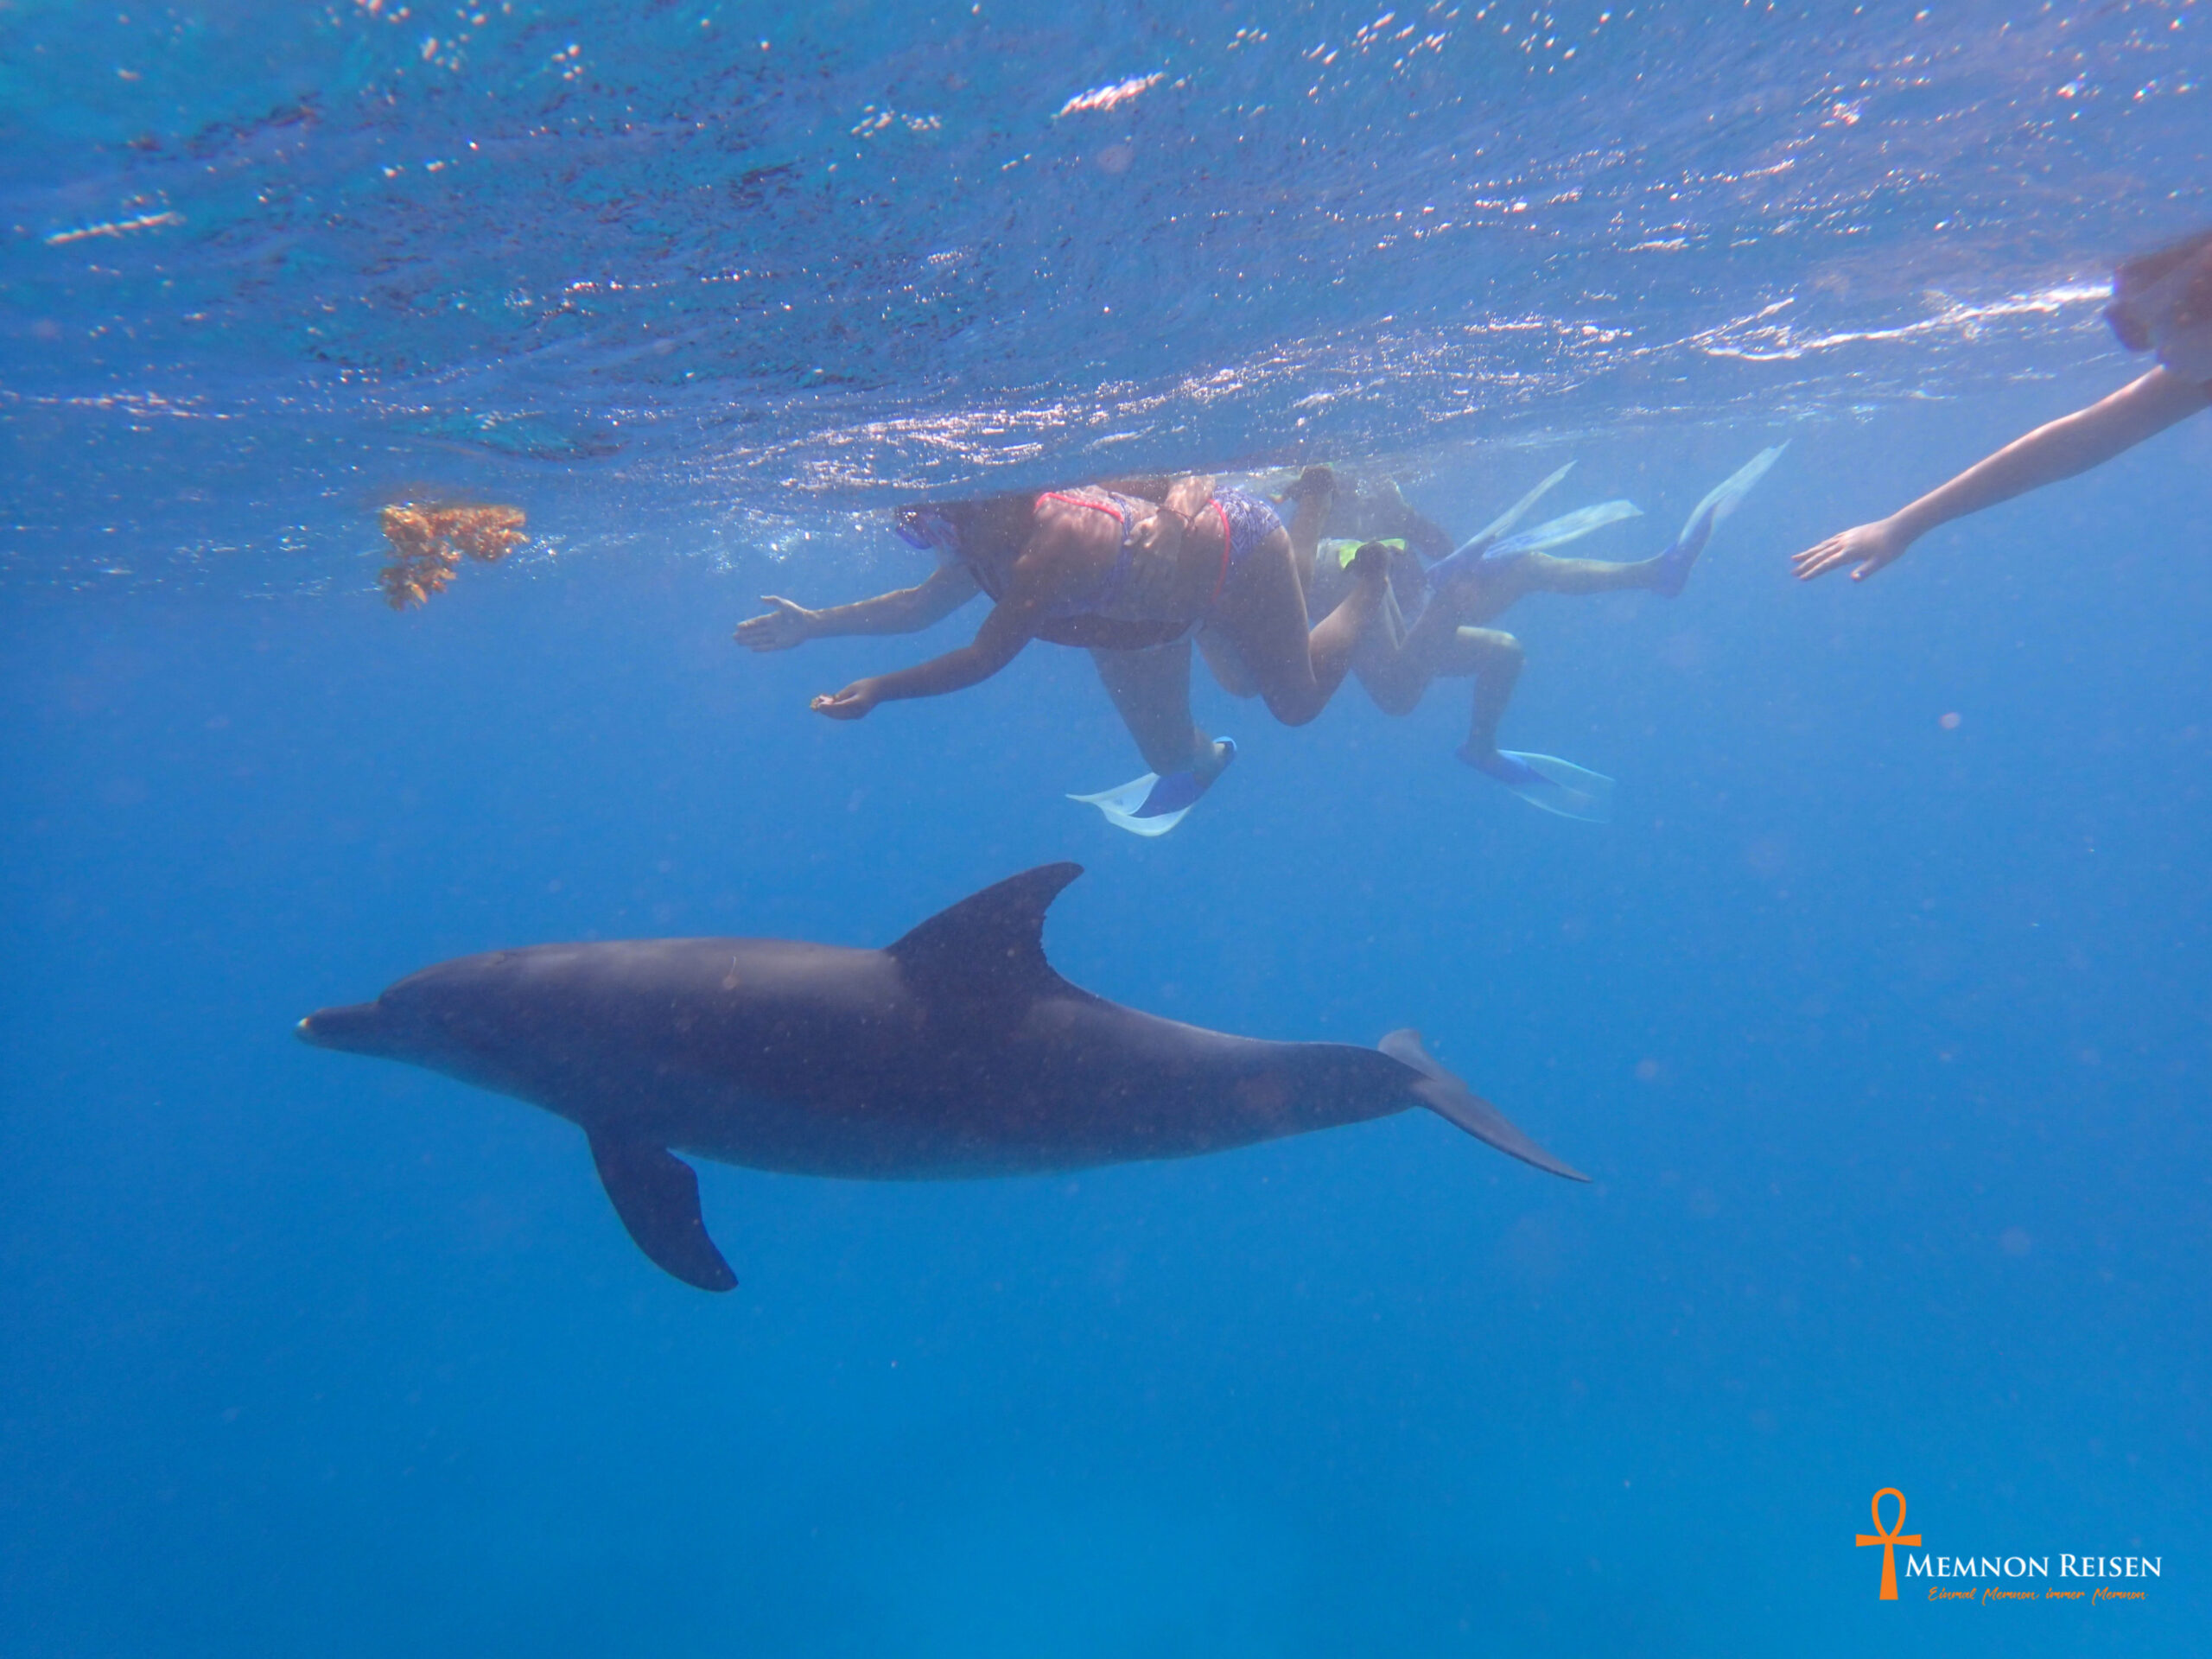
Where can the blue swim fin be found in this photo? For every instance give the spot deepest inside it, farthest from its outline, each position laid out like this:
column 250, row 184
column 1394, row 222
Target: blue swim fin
column 1705, row 518
column 1557, row 532
column 1151, row 806
column 1552, row 532
column 1504, row 522
column 1554, row 784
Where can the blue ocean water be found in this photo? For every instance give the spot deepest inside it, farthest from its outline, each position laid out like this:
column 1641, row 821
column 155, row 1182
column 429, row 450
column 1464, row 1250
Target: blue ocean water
column 1879, row 1014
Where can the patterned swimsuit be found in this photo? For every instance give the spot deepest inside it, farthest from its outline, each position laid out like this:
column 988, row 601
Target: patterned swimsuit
column 1246, row 521
column 1144, row 586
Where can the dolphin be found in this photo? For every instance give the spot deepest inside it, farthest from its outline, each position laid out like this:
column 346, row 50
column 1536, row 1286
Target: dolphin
column 956, row 1052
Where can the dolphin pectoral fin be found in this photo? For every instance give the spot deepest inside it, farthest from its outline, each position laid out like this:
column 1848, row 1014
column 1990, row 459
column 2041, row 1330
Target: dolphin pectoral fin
column 657, row 1195
column 1450, row 1099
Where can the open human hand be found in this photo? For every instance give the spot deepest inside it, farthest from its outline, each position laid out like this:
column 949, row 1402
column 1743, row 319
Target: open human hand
column 786, row 626
column 1867, row 546
column 851, row 703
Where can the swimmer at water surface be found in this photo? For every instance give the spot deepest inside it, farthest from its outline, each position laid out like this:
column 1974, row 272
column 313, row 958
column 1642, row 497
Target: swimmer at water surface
column 1097, row 568
column 1464, row 593
column 2160, row 303
column 1133, row 578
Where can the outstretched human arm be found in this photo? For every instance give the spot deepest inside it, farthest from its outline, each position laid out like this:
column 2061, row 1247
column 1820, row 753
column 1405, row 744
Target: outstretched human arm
column 1310, row 500
column 908, row 610
column 2073, row 444
column 1011, row 624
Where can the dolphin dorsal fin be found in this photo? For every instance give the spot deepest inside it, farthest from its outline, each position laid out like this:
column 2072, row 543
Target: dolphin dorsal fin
column 991, row 943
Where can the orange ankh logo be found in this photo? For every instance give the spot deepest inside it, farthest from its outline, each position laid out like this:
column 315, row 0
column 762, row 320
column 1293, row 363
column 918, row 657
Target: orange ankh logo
column 1889, row 1540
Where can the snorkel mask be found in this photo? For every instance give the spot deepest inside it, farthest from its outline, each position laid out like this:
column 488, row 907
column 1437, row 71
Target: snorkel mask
column 2162, row 302
column 923, row 527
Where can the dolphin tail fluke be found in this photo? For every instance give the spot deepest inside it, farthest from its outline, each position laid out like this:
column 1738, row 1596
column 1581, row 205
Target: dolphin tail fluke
column 1450, row 1099
column 657, row 1195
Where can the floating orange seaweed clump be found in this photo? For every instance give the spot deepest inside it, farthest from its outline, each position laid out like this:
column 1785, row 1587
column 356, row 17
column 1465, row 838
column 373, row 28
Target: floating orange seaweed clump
column 427, row 542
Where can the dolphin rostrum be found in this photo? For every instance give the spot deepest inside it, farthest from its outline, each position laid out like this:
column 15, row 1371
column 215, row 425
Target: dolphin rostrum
column 956, row 1052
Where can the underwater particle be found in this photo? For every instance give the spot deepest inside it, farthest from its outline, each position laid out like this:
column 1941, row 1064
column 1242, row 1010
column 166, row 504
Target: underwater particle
column 427, row 545
column 2014, row 1241
column 148, row 221
column 1950, row 723
column 1102, row 98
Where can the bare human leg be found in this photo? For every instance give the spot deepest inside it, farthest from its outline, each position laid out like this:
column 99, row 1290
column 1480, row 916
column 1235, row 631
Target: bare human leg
column 1495, row 659
column 1438, row 643
column 1313, row 494
column 1396, row 661
column 1540, row 573
column 1151, row 691
column 1263, row 614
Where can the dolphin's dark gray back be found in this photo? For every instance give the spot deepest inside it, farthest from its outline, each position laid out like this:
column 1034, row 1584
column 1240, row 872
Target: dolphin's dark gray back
column 958, row 1050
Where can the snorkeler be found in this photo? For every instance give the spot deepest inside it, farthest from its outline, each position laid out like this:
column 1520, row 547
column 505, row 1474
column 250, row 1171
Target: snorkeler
column 1132, row 580
column 1185, row 760
column 1366, row 507
column 1481, row 582
column 2162, row 303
